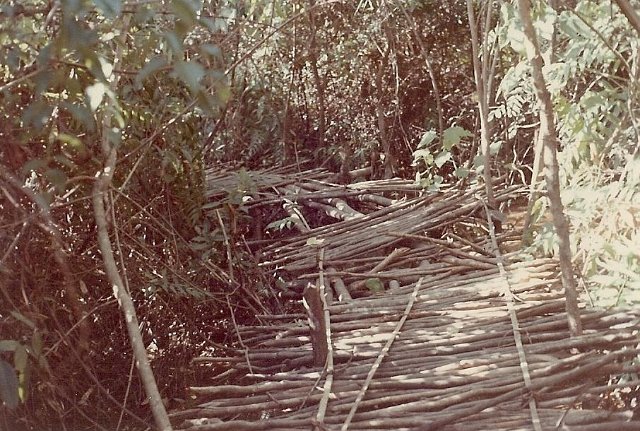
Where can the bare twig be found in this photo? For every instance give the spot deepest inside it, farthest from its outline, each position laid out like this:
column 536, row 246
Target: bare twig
column 227, row 245
column 244, row 347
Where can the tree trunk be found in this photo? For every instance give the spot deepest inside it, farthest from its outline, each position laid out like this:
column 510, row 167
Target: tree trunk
column 549, row 139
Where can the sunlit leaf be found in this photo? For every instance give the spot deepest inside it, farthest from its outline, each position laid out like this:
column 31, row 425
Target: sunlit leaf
column 95, row 95
column 627, row 218
column 315, row 241
column 423, row 155
column 428, row 137
column 442, row 158
column 453, row 135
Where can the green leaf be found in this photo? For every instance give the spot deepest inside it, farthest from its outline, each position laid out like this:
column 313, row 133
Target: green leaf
column 36, row 344
column 185, row 11
column 212, row 50
column 174, row 41
column 58, row 178
column 442, row 158
column 23, row 319
column 143, row 15
column 110, row 8
column 153, row 65
column 95, row 94
column 453, row 135
column 20, row 358
column 428, row 137
column 423, row 154
column 314, row 241
column 37, row 114
column 478, row 163
column 282, row 224
column 23, row 383
column 190, row 72
column 461, row 172
column 8, row 345
column 8, row 385
column 80, row 113
column 70, row 140
column 208, row 102
column 33, row 165
column 374, row 285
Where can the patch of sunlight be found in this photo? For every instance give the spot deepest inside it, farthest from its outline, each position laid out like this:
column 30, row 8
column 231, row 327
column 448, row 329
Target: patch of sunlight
column 475, row 314
column 312, row 375
column 466, row 368
column 374, row 340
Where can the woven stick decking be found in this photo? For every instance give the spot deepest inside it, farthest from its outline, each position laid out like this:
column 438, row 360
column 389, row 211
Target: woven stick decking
column 453, row 363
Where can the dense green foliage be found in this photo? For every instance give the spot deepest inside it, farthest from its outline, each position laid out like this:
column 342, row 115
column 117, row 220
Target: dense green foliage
column 214, row 84
column 594, row 82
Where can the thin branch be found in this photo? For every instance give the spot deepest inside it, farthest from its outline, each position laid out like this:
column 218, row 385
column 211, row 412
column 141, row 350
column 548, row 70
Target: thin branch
column 99, row 194
column 483, row 107
column 17, row 81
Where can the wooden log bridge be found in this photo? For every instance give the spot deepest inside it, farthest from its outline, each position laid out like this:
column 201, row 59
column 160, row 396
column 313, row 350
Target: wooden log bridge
column 402, row 315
